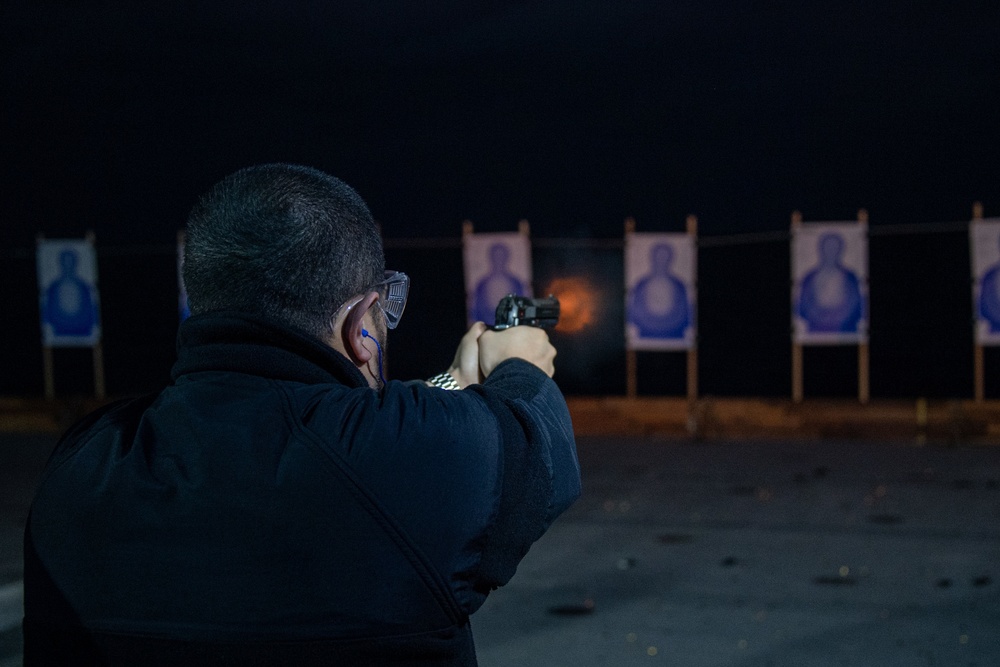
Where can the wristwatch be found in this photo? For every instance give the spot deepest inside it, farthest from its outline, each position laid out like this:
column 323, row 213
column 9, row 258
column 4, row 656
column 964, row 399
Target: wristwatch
column 444, row 381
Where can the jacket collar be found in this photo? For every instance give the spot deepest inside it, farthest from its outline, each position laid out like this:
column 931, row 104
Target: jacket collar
column 242, row 343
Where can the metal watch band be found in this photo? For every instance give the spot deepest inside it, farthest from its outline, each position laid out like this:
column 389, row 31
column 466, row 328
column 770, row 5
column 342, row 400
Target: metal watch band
column 444, row 381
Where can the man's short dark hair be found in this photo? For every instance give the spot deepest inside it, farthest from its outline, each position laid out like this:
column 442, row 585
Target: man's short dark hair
column 285, row 242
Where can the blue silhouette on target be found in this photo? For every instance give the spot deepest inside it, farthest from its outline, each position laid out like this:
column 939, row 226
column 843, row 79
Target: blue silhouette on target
column 495, row 285
column 989, row 297
column 69, row 307
column 830, row 300
column 658, row 305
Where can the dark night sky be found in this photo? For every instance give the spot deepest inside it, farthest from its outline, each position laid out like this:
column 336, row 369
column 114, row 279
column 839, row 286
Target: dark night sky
column 573, row 114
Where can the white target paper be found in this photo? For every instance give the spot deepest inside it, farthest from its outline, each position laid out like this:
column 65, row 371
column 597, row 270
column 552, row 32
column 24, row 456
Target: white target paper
column 495, row 265
column 182, row 297
column 661, row 290
column 830, row 283
column 68, row 297
column 984, row 239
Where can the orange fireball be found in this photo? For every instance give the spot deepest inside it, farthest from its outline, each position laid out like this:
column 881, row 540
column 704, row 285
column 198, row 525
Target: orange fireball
column 577, row 303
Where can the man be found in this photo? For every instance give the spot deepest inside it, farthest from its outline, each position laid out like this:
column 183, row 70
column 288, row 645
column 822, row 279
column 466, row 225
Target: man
column 280, row 503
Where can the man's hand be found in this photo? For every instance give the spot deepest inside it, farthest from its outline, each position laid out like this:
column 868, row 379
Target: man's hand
column 521, row 342
column 465, row 367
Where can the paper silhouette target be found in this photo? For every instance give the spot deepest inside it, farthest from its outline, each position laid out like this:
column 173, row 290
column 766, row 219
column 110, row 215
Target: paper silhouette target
column 830, row 283
column 660, row 272
column 67, row 280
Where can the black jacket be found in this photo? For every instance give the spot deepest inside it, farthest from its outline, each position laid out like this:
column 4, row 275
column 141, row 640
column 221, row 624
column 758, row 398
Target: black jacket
column 270, row 508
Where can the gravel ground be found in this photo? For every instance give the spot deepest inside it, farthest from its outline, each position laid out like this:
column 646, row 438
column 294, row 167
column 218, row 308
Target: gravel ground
column 720, row 553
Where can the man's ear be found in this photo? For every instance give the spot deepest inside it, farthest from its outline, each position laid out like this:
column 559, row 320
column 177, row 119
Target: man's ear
column 351, row 330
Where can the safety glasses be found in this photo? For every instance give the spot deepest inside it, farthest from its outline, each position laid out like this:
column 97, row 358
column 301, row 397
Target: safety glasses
column 392, row 294
column 391, row 298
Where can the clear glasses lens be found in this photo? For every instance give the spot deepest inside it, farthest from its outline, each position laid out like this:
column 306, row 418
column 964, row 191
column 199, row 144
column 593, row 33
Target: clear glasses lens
column 392, row 296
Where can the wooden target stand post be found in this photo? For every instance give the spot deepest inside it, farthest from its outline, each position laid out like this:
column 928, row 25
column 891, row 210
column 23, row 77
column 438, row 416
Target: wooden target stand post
column 864, row 386
column 631, row 363
column 97, row 349
column 978, row 357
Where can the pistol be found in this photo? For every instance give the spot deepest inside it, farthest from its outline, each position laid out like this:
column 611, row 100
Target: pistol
column 514, row 310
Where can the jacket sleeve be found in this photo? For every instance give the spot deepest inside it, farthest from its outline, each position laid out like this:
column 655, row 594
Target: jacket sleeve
column 540, row 474
column 472, row 477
